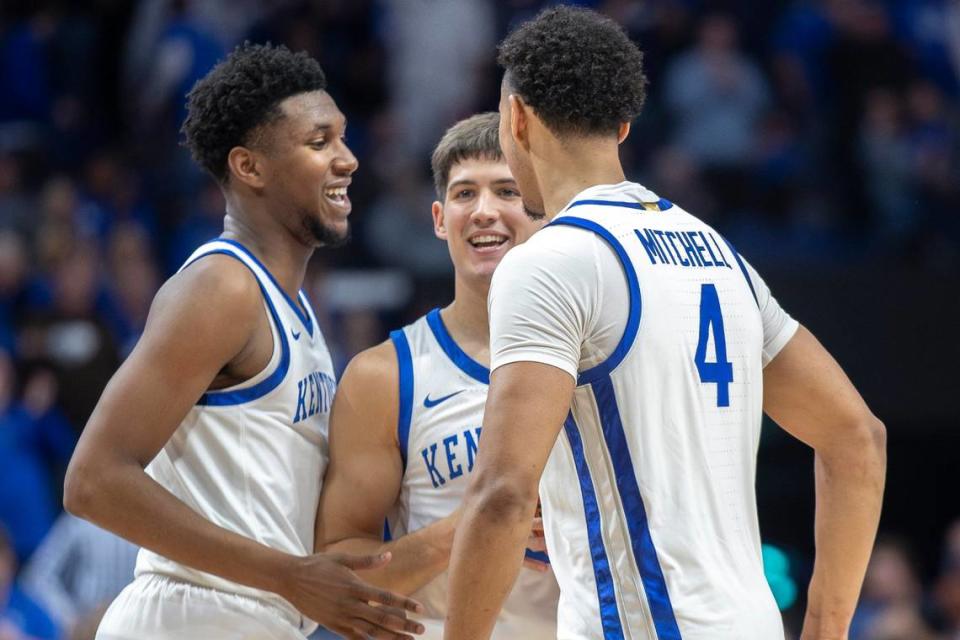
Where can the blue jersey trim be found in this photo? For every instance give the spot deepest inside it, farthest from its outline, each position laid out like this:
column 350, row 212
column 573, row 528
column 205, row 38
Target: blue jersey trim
column 743, row 270
column 405, row 374
column 450, row 347
column 633, row 285
column 297, row 309
column 663, row 204
column 224, row 398
column 606, row 593
column 308, row 307
column 644, row 552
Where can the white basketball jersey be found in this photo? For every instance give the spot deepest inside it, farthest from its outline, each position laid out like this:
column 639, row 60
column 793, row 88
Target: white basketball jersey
column 442, row 395
column 648, row 496
column 250, row 458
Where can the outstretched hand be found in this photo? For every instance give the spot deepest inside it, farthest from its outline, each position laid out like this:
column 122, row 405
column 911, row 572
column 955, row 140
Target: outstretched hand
column 324, row 587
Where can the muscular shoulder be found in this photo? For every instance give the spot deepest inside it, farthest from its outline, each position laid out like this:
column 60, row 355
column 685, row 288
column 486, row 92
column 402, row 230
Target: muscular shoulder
column 367, row 395
column 213, row 302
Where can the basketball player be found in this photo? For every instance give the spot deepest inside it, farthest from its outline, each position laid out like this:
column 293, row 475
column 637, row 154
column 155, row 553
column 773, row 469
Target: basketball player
column 631, row 330
column 208, row 445
column 406, row 420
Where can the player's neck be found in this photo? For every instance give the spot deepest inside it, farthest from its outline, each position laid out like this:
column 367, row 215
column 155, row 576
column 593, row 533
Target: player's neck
column 466, row 320
column 567, row 169
column 284, row 256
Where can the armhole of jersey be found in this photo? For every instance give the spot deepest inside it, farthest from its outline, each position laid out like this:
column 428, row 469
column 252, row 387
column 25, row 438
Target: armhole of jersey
column 743, row 270
column 405, row 375
column 239, row 394
column 633, row 285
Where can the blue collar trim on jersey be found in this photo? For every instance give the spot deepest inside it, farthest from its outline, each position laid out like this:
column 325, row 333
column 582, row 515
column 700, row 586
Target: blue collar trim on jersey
column 663, row 204
column 450, row 347
column 297, row 308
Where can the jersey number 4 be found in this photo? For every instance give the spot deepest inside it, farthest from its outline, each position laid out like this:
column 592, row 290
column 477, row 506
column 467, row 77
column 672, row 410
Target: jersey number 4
column 721, row 371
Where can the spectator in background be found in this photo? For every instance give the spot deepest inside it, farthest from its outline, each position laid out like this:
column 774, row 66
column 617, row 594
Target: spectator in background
column 16, row 207
column 13, row 275
column 931, row 28
column 891, row 602
column 717, row 97
column 933, row 153
column 885, row 163
column 862, row 59
column 437, row 49
column 73, row 334
column 78, row 569
column 134, row 279
column 20, row 617
column 111, row 197
column 35, row 446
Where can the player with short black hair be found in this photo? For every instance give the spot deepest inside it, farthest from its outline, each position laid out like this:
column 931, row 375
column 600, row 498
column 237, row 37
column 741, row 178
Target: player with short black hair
column 633, row 352
column 208, row 446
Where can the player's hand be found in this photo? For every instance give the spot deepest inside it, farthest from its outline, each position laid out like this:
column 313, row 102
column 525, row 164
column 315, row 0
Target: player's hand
column 325, row 588
column 538, row 544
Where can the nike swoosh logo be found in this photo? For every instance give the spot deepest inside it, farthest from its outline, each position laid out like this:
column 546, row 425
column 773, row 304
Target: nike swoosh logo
column 296, row 334
column 428, row 403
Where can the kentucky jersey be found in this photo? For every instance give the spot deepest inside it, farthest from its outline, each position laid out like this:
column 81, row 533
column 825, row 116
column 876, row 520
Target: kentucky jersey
column 442, row 395
column 648, row 495
column 250, row 458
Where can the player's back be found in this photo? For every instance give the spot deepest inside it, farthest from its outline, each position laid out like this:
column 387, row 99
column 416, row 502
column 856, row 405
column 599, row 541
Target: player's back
column 648, row 496
column 443, row 392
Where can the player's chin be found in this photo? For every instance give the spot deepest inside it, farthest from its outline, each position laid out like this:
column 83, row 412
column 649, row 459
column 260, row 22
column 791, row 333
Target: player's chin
column 330, row 233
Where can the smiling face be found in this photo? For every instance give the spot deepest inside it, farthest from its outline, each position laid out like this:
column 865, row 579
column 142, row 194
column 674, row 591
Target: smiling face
column 308, row 168
column 481, row 217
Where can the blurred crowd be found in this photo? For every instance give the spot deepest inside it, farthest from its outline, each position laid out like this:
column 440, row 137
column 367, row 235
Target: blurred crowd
column 808, row 131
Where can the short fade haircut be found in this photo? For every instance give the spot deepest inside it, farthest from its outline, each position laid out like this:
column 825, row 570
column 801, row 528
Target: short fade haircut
column 475, row 138
column 578, row 70
column 241, row 94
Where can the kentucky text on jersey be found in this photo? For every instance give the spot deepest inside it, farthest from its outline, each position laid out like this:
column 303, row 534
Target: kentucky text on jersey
column 314, row 395
column 696, row 248
column 450, row 446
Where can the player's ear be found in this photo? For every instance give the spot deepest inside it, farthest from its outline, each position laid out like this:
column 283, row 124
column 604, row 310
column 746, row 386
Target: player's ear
column 246, row 166
column 623, row 132
column 439, row 222
column 519, row 121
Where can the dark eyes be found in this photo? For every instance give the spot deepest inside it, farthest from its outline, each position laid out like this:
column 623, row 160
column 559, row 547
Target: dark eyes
column 322, row 144
column 463, row 194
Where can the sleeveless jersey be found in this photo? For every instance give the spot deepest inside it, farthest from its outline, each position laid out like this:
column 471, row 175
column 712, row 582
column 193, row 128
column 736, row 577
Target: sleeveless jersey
column 250, row 458
column 648, row 495
column 442, row 395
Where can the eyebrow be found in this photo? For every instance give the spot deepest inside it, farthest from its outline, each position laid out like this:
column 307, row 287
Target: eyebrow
column 464, row 181
column 325, row 126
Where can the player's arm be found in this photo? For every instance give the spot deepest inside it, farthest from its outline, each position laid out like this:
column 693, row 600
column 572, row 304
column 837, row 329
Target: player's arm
column 526, row 407
column 364, row 476
column 807, row 393
column 202, row 319
column 540, row 303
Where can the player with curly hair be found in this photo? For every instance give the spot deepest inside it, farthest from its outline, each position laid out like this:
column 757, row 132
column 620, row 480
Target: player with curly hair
column 208, row 446
column 633, row 352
